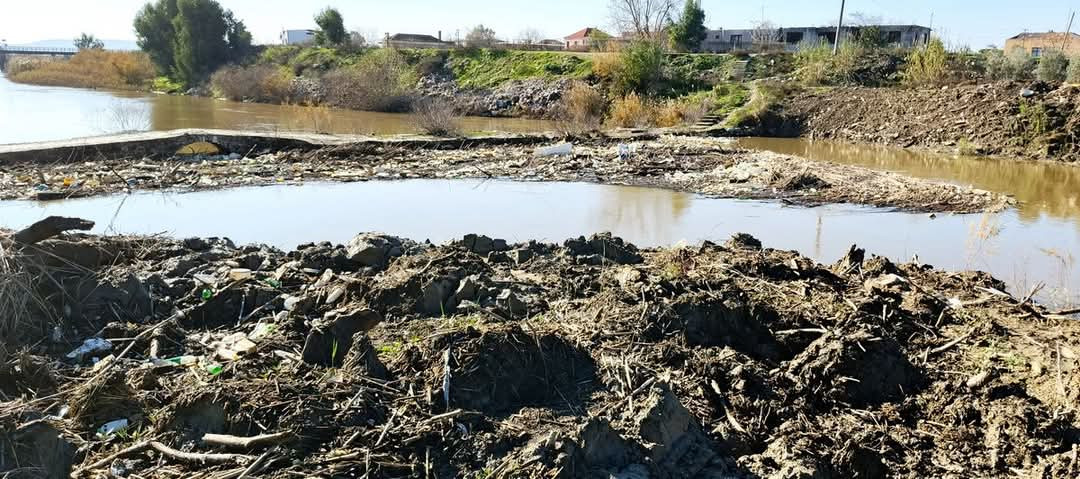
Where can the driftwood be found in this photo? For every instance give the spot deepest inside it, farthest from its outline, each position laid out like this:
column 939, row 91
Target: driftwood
column 237, row 442
column 50, row 227
column 199, row 458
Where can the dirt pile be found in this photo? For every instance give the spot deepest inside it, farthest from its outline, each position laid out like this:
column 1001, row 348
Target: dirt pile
column 485, row 359
column 1030, row 121
column 698, row 165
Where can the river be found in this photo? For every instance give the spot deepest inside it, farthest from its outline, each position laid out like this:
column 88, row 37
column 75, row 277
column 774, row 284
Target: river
column 31, row 113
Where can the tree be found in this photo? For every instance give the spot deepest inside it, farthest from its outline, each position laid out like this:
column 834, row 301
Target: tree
column 688, row 33
column 1053, row 67
column 862, row 19
column 765, row 34
column 89, row 42
column 331, row 27
column 645, row 18
column 870, row 37
column 530, row 36
column 480, row 37
column 188, row 39
column 641, row 67
column 155, row 34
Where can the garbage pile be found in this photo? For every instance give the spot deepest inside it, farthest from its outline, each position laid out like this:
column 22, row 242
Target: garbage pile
column 384, row 357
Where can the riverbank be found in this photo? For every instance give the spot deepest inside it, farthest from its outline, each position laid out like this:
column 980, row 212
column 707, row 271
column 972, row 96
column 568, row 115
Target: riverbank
column 698, row 165
column 1036, row 121
column 589, row 358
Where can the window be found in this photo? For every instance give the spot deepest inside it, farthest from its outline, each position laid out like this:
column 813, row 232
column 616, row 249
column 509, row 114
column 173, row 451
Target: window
column 1036, row 52
column 893, row 38
column 736, row 40
column 830, row 37
column 717, row 36
column 793, row 38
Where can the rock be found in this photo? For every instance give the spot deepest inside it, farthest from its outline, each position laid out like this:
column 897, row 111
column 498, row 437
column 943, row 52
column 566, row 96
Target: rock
column 467, row 289
column 743, row 241
column 1027, row 93
column 978, row 380
column 672, row 437
column 436, row 297
column 196, row 244
column 521, row 255
column 885, row 282
column 605, row 245
column 509, row 302
column 373, row 250
column 299, row 304
column 363, row 359
column 330, row 340
column 482, row 245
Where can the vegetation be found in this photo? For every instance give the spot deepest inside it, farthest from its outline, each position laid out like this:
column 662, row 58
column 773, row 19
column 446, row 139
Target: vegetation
column 331, row 28
column 817, row 65
column 630, row 111
column 1053, row 67
column 766, row 96
column 381, row 81
column 90, row 68
column 688, row 33
column 647, row 19
column 484, row 68
column 189, row 39
column 480, row 37
column 1072, row 74
column 262, row 83
column 640, row 69
column 437, row 117
column 581, row 108
column 1015, row 65
column 927, row 65
column 89, row 42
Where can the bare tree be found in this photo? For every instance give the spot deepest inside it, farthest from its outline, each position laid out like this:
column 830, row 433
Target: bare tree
column 862, row 19
column 645, row 18
column 765, row 34
column 530, row 36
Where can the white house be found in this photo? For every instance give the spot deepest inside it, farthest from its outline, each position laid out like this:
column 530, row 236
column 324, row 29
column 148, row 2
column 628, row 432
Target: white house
column 298, row 37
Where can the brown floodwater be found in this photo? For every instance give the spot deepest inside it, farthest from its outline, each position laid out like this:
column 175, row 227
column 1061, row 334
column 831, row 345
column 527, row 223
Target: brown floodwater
column 30, row 113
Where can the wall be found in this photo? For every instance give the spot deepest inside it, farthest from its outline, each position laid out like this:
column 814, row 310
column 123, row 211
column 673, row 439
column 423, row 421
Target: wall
column 1046, row 41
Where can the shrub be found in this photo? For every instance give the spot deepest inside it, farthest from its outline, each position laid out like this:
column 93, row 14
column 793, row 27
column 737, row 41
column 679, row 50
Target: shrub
column 1053, row 67
column 1072, row 75
column 581, row 108
column 630, row 111
column 769, row 94
column 722, row 99
column 813, row 63
column 262, row 83
column 381, row 81
column 680, row 112
column 927, row 65
column 641, row 68
column 89, row 69
column 437, row 116
column 1014, row 65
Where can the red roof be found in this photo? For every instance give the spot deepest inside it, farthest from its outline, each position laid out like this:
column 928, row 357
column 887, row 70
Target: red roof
column 586, row 33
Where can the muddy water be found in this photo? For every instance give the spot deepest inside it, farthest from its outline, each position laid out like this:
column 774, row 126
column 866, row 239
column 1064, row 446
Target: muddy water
column 1020, row 251
column 31, row 113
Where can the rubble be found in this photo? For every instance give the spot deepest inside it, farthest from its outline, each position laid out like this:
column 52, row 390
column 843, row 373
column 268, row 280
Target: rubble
column 591, row 359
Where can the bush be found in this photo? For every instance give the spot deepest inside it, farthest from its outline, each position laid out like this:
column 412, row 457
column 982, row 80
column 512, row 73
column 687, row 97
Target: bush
column 381, row 81
column 89, row 69
column 581, row 108
column 816, row 64
column 1016, row 65
column 630, row 111
column 722, row 99
column 437, row 117
column 640, row 69
column 261, row 83
column 1072, row 75
column 769, row 94
column 1053, row 67
column 927, row 65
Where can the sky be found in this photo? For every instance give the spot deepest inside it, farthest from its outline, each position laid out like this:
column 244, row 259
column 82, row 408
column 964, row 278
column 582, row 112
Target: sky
column 973, row 23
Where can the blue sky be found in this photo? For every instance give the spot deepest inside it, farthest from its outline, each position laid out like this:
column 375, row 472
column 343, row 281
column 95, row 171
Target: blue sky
column 973, row 23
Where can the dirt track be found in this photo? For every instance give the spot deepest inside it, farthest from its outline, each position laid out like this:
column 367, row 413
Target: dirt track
column 697, row 165
column 388, row 358
column 989, row 119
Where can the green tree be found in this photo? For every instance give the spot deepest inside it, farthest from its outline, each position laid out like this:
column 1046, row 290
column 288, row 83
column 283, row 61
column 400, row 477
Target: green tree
column 89, row 42
column 480, row 37
column 154, row 31
column 688, row 33
column 1053, row 67
column 331, row 27
column 237, row 36
column 870, row 37
column 642, row 68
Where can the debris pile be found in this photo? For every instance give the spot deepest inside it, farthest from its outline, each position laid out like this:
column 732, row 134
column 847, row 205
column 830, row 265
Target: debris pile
column 592, row 358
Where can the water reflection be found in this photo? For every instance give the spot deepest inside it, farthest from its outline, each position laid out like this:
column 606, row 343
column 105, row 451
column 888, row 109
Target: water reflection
column 648, row 213
column 1043, row 188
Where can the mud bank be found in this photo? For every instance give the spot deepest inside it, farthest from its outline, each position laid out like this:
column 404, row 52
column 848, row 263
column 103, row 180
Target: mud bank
column 1019, row 120
column 697, row 165
column 390, row 358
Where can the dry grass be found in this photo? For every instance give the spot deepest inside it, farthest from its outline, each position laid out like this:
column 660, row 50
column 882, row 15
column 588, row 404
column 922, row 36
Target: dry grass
column 90, row 69
column 261, row 83
column 630, row 111
column 437, row 117
column 581, row 109
column 23, row 313
column 382, row 81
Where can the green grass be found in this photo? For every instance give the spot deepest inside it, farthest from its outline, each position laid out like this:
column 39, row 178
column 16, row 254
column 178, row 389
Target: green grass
column 765, row 97
column 166, row 85
column 723, row 98
column 482, row 68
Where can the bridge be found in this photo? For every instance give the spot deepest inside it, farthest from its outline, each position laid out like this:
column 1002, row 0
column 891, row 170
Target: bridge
column 52, row 51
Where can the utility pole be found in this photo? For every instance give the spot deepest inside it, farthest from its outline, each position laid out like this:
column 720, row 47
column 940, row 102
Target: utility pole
column 1068, row 31
column 839, row 25
column 931, row 28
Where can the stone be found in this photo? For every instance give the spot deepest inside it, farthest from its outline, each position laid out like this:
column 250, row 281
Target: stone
column 436, row 297
column 478, row 244
column 373, row 250
column 467, row 289
column 521, row 255
column 331, row 339
column 510, row 303
column 885, row 282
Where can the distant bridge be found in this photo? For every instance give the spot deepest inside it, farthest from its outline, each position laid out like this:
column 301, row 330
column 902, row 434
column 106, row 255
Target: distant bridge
column 52, row 51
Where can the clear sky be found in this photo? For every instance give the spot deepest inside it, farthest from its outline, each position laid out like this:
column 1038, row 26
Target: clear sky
column 974, row 23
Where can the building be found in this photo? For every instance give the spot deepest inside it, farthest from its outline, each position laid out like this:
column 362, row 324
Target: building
column 789, row 39
column 298, row 37
column 1035, row 44
column 586, row 39
column 416, row 40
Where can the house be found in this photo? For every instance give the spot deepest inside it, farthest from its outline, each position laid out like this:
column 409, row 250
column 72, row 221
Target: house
column 298, row 37
column 586, row 39
column 416, row 40
column 789, row 39
column 1035, row 44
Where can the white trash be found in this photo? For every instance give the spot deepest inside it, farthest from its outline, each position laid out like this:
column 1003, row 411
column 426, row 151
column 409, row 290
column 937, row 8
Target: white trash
column 90, row 346
column 562, row 149
column 111, row 428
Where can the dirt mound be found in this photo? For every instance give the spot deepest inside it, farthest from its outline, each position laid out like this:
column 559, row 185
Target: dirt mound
column 590, row 359
column 1036, row 121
